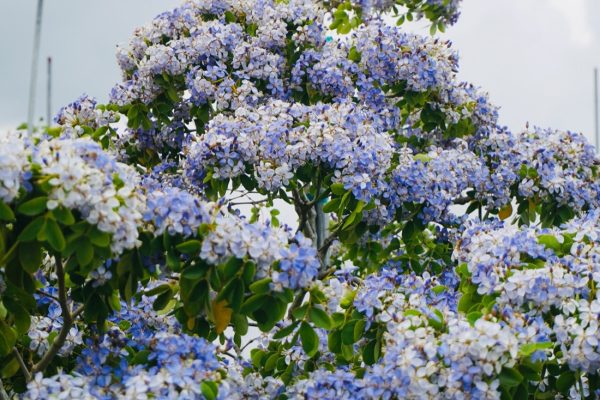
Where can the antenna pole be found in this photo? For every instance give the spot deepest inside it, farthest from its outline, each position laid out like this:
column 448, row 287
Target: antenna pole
column 34, row 65
column 49, row 94
column 596, row 119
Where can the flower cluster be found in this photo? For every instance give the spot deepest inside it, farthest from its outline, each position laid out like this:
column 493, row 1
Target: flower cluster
column 15, row 165
column 393, row 57
column 42, row 328
column 438, row 11
column 83, row 114
column 421, row 359
column 175, row 211
column 435, row 179
column 201, row 38
column 542, row 273
column 85, row 178
column 279, row 137
column 415, row 298
column 177, row 364
column 547, row 165
column 296, row 265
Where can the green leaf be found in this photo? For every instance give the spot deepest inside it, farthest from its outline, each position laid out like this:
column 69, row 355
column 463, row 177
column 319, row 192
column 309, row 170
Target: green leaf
column 231, row 267
column 334, row 341
column 64, row 216
column 530, row 348
column 348, row 333
column 262, row 286
column 359, row 329
column 54, row 235
column 162, row 300
column 433, row 29
column 320, row 318
column 271, row 362
column 33, row 206
column 283, row 332
column 172, row 93
column 6, row 214
column 233, row 291
column 369, row 352
column 332, row 205
column 253, row 303
column 189, row 247
column 240, row 324
column 230, row 17
column 472, row 317
column 565, row 381
column 10, row 369
column 158, row 290
column 354, row 55
column 300, row 312
column 256, row 355
column 550, row 242
column 310, row 340
column 194, row 273
column 30, row 256
column 84, row 251
column 20, row 315
column 465, row 303
column 8, row 338
column 209, row 389
column 141, row 357
column 99, row 238
column 510, row 377
column 338, row 189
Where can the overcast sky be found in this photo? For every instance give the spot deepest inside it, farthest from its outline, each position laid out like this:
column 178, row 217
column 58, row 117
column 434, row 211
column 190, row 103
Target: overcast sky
column 534, row 57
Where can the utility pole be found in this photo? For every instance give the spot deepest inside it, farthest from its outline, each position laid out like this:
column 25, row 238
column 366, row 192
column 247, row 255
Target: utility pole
column 34, row 66
column 49, row 94
column 596, row 122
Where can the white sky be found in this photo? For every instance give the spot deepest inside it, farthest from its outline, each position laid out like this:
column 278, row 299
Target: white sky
column 534, row 57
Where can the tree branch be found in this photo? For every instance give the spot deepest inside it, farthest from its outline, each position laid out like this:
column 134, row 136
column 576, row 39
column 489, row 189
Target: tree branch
column 48, row 295
column 3, row 394
column 24, row 369
column 297, row 303
column 59, row 341
column 303, row 210
column 462, row 200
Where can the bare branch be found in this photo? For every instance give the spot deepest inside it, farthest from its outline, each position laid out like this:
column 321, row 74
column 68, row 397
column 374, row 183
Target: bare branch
column 22, row 364
column 297, row 303
column 59, row 341
column 3, row 394
column 48, row 295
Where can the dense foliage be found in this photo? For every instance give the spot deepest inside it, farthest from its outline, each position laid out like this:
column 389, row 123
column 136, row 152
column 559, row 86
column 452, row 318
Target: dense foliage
column 297, row 200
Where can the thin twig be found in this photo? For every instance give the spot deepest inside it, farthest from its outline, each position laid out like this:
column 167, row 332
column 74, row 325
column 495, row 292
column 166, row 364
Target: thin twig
column 462, row 200
column 249, row 342
column 230, row 355
column 3, row 394
column 250, row 202
column 59, row 341
column 297, row 303
column 22, row 364
column 48, row 295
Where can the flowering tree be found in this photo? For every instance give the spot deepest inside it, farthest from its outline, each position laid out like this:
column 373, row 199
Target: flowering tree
column 426, row 251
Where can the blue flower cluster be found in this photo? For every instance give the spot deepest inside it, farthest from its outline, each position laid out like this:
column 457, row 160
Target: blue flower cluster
column 201, row 39
column 167, row 363
column 280, row 137
column 547, row 275
column 547, row 165
column 175, row 211
column 82, row 114
column 439, row 11
column 298, row 267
